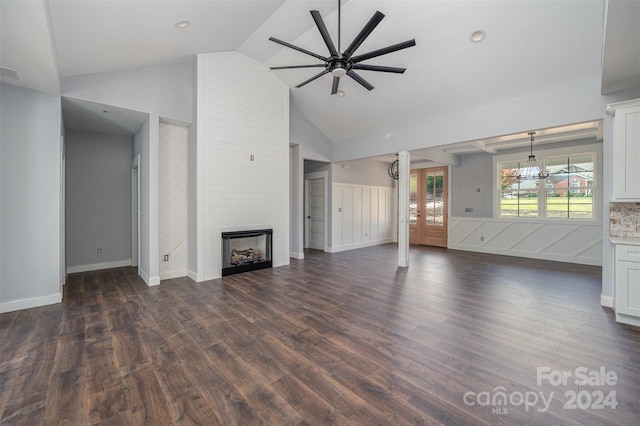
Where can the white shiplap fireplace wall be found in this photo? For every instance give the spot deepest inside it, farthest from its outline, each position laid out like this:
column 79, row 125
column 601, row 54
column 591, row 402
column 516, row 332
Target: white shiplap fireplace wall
column 242, row 156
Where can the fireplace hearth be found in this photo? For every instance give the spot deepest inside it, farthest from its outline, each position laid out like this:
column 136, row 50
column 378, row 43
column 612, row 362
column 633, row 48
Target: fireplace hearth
column 244, row 251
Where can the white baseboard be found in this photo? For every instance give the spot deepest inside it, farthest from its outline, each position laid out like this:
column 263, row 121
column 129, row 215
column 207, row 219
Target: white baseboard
column 98, row 266
column 358, row 245
column 32, row 302
column 150, row 281
column 173, row 274
column 193, row 275
column 298, row 256
column 606, row 301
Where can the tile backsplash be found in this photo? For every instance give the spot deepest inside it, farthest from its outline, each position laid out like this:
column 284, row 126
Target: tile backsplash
column 624, row 220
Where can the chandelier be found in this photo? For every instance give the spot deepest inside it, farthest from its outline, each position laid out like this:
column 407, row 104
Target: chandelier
column 531, row 169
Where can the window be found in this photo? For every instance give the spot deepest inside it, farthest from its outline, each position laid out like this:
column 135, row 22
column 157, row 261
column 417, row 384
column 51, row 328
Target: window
column 568, row 193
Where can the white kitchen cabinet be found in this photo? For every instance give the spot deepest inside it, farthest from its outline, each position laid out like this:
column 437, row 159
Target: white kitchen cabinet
column 626, row 150
column 627, row 284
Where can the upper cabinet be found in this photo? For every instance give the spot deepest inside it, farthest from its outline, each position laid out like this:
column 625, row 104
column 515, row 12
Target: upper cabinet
column 626, row 150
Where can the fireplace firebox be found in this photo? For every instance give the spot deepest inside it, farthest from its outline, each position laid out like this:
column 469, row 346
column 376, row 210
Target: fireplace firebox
column 244, row 251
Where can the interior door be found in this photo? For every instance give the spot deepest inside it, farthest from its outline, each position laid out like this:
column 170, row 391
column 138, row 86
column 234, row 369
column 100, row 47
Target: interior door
column 315, row 213
column 428, row 202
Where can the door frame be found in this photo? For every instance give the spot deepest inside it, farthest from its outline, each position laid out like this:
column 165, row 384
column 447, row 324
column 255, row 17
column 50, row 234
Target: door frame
column 316, row 175
column 445, row 228
column 135, row 210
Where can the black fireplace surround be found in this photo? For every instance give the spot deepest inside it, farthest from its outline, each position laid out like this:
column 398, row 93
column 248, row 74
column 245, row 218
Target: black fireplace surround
column 244, row 251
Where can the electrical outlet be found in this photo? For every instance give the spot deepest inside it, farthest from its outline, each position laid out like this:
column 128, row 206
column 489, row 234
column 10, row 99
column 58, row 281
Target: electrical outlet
column 477, row 189
column 468, row 210
column 366, row 234
column 99, row 250
column 481, row 238
column 166, row 257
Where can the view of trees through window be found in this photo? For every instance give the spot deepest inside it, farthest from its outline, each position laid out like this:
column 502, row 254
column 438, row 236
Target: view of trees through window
column 568, row 192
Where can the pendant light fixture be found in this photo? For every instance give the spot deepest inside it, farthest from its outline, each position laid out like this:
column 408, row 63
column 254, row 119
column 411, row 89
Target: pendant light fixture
column 531, row 169
column 393, row 169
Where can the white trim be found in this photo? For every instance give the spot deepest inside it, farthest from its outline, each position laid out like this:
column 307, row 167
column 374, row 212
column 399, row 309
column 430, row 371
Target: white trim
column 150, row 281
column 167, row 275
column 358, row 245
column 606, row 301
column 192, row 275
column 98, row 266
column 611, row 108
column 32, row 302
column 298, row 256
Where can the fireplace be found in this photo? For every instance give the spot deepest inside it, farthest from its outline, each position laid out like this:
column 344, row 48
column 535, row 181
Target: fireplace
column 244, row 251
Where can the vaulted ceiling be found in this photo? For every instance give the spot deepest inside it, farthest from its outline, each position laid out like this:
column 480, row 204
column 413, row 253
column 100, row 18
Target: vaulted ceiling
column 530, row 46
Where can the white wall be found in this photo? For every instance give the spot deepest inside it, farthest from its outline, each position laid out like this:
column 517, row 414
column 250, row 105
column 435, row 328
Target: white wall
column 98, row 201
column 173, row 200
column 30, row 181
column 362, row 216
column 163, row 90
column 243, row 111
column 577, row 102
column 363, row 172
column 308, row 143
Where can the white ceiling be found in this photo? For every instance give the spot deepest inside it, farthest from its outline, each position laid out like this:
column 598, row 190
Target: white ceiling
column 531, row 46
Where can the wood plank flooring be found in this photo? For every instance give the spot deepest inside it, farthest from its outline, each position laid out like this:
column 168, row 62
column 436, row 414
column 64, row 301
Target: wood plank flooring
column 345, row 338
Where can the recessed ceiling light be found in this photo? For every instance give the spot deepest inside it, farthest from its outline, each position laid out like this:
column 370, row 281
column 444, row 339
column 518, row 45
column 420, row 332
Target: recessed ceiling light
column 477, row 36
column 182, row 24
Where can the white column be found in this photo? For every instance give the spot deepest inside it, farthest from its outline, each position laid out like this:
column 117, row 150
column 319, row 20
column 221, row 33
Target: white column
column 403, row 208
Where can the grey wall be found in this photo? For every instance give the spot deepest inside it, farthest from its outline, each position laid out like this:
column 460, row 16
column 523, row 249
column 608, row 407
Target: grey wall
column 98, row 199
column 30, row 174
column 164, row 92
column 473, row 172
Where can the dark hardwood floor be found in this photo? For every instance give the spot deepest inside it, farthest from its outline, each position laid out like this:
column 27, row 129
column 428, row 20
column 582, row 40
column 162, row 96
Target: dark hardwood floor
column 344, row 338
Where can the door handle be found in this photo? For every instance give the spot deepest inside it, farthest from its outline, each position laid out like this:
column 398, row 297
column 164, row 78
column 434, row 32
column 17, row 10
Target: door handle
column 308, row 217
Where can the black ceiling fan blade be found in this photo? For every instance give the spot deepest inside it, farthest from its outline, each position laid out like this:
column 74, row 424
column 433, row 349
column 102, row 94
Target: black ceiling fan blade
column 312, row 78
column 378, row 68
column 383, row 51
column 364, row 33
column 286, row 67
column 362, row 81
column 323, row 31
column 299, row 49
column 334, row 87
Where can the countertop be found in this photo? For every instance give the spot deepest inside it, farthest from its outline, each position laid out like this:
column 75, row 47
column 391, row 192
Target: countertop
column 627, row 241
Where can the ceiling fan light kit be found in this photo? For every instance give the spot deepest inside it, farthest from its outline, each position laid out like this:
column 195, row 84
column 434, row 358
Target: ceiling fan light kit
column 341, row 64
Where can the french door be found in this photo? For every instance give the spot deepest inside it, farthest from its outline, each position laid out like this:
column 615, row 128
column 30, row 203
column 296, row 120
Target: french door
column 428, row 201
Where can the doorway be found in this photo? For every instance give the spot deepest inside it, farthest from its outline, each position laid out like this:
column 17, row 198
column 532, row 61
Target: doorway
column 315, row 210
column 428, row 206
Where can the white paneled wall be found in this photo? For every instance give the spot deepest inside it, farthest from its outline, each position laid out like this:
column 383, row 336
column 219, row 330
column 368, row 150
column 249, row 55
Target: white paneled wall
column 173, row 200
column 362, row 216
column 574, row 241
column 243, row 156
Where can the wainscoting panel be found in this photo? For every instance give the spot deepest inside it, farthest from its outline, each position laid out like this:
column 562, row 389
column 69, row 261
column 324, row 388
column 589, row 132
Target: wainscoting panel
column 574, row 241
column 362, row 216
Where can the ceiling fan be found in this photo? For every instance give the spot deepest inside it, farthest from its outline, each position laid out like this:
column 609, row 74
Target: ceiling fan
column 344, row 63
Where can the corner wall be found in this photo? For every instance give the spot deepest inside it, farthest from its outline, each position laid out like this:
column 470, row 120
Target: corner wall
column 30, row 182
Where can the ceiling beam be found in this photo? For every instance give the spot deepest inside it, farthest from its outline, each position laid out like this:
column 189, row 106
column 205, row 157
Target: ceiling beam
column 437, row 155
column 481, row 146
